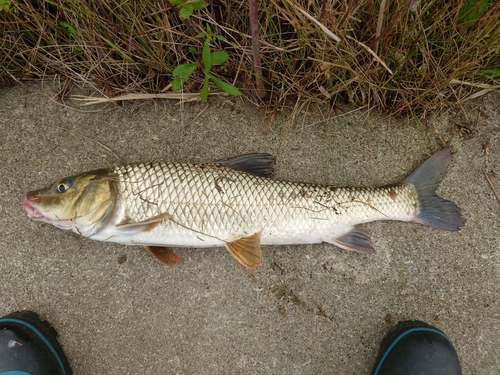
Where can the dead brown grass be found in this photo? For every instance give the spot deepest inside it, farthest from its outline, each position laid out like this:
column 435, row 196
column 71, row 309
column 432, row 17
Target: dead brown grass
column 397, row 56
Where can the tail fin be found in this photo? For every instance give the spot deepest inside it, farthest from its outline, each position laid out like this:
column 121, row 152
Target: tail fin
column 435, row 211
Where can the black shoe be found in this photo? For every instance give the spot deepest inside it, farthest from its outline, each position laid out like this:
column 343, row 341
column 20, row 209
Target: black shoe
column 413, row 348
column 28, row 345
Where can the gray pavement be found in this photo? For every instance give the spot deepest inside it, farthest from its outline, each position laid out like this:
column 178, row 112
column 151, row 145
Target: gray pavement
column 311, row 309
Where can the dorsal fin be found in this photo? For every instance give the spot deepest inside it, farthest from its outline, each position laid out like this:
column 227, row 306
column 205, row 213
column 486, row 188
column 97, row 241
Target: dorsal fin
column 246, row 250
column 256, row 164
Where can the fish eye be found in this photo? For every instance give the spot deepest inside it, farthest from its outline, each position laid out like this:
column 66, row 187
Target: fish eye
column 63, row 186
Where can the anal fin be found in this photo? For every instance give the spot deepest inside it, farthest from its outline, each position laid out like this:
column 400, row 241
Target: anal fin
column 246, row 250
column 357, row 239
column 164, row 254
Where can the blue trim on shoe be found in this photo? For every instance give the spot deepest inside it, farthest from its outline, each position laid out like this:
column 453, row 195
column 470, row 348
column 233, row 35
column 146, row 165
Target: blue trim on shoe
column 40, row 334
column 14, row 373
column 403, row 335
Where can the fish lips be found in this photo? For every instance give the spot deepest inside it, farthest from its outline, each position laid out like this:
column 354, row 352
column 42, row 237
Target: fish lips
column 28, row 205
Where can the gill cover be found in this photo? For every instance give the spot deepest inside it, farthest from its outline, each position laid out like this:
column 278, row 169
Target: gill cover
column 96, row 205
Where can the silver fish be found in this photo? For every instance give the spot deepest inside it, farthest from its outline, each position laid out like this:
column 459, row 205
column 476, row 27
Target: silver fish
column 234, row 203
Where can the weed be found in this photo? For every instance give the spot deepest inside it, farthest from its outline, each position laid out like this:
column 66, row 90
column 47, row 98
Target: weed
column 187, row 7
column 393, row 55
column 209, row 58
column 4, row 5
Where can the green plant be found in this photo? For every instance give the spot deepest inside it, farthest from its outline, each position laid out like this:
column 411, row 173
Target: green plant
column 473, row 9
column 209, row 58
column 68, row 28
column 436, row 53
column 187, row 7
column 5, row 5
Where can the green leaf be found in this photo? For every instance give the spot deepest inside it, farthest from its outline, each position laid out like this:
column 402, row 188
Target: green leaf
column 230, row 89
column 176, row 83
column 199, row 4
column 491, row 71
column 184, row 71
column 220, row 37
column 5, row 5
column 69, row 28
column 117, row 49
column 200, row 35
column 204, row 91
column 177, row 2
column 473, row 9
column 206, row 57
column 209, row 29
column 193, row 50
column 219, row 57
column 186, row 11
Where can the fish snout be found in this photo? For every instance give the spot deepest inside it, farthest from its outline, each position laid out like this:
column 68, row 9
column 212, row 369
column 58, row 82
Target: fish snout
column 29, row 207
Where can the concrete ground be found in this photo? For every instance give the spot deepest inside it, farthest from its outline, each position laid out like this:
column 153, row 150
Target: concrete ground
column 311, row 309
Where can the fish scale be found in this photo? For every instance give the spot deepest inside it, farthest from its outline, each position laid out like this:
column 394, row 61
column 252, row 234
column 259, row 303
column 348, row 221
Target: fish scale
column 224, row 203
column 237, row 204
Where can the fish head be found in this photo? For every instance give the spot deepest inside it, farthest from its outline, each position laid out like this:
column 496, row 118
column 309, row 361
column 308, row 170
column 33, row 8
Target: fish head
column 82, row 203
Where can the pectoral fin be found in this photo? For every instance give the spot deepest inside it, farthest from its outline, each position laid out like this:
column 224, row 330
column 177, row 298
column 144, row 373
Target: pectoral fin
column 143, row 226
column 356, row 240
column 246, row 250
column 164, row 254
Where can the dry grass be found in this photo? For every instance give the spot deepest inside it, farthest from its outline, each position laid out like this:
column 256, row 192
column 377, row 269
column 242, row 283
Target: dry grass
column 397, row 56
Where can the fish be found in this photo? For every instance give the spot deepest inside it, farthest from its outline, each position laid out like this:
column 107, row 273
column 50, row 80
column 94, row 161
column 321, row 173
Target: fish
column 237, row 203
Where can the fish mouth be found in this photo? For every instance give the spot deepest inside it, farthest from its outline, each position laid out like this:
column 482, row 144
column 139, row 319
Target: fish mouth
column 33, row 212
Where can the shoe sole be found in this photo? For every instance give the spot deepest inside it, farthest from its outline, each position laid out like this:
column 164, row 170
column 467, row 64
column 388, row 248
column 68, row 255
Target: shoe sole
column 42, row 329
